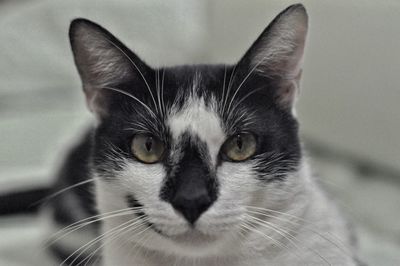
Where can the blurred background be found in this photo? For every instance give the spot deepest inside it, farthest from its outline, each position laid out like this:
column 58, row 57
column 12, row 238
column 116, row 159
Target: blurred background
column 349, row 106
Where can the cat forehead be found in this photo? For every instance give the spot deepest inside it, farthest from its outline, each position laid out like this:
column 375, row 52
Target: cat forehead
column 200, row 120
column 196, row 117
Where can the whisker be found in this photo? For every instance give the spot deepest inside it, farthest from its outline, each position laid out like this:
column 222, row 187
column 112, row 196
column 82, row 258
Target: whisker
column 146, row 122
column 127, row 241
column 162, row 92
column 136, row 67
column 139, row 128
column 141, row 232
column 247, row 76
column 133, row 97
column 286, row 234
column 223, row 85
column 242, row 99
column 105, row 240
column 62, row 191
column 271, row 226
column 229, row 88
column 277, row 230
column 130, row 229
column 157, row 74
column 241, row 84
column 89, row 244
column 94, row 241
column 115, row 151
column 87, row 221
column 338, row 244
column 252, row 228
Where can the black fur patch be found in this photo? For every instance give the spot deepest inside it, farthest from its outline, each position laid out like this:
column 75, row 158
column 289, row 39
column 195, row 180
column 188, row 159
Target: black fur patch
column 134, row 203
column 190, row 177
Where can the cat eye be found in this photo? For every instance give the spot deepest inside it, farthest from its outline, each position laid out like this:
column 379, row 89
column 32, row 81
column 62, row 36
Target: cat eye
column 239, row 147
column 147, row 148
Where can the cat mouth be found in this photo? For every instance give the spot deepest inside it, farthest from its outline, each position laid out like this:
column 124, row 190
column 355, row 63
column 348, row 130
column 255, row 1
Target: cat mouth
column 192, row 235
column 133, row 203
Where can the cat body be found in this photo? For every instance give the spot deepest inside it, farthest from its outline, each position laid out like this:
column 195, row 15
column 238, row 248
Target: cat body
column 199, row 165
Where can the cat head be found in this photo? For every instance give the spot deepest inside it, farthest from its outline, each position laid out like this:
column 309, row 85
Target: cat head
column 191, row 148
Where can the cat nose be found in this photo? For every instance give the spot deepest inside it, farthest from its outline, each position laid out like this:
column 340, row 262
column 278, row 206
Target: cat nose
column 191, row 203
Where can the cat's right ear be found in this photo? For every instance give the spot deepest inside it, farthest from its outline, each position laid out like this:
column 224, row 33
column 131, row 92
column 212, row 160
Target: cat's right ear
column 277, row 54
column 102, row 62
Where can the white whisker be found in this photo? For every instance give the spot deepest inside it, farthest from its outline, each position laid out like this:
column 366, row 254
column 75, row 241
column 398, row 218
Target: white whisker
column 252, row 228
column 64, row 190
column 89, row 244
column 338, row 244
column 88, row 221
column 229, row 89
column 223, row 87
column 136, row 67
column 133, row 97
column 287, row 235
column 115, row 235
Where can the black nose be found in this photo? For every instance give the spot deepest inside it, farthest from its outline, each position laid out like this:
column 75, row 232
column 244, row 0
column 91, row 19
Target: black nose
column 191, row 202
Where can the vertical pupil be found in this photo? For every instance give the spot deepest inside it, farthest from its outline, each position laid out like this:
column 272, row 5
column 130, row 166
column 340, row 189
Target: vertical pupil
column 149, row 143
column 239, row 142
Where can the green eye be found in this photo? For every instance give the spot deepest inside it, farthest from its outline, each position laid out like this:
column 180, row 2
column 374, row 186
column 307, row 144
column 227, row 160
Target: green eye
column 240, row 147
column 147, row 148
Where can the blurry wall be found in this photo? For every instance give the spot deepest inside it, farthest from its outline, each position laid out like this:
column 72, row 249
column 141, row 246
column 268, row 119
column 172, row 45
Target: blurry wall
column 350, row 90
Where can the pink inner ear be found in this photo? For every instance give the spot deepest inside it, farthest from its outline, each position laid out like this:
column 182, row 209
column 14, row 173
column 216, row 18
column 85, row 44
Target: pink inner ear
column 96, row 102
column 279, row 54
column 288, row 91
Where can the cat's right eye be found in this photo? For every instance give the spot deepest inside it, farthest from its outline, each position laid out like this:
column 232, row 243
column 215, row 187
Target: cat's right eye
column 239, row 147
column 147, row 148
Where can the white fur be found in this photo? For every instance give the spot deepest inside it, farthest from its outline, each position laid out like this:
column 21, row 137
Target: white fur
column 201, row 121
column 222, row 243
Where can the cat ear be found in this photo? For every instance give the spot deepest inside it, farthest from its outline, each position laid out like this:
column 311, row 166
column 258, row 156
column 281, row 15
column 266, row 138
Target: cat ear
column 102, row 61
column 277, row 54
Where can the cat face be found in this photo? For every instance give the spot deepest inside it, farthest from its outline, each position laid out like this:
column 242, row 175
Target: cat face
column 190, row 148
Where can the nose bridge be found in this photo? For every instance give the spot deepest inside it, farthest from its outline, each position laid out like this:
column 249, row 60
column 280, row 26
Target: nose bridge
column 192, row 188
column 194, row 164
column 192, row 182
column 193, row 173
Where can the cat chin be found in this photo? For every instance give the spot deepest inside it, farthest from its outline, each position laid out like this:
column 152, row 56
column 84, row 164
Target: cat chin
column 194, row 238
column 193, row 244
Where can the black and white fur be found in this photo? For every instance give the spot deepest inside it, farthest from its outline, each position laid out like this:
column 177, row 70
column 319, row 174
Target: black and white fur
column 267, row 210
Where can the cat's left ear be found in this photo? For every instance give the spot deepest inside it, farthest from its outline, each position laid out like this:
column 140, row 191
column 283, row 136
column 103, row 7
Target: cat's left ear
column 277, row 54
column 102, row 62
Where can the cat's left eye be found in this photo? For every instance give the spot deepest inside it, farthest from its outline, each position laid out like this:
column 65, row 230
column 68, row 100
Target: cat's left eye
column 147, row 148
column 239, row 147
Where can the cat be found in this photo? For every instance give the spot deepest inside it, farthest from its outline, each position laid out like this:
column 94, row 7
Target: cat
column 195, row 164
